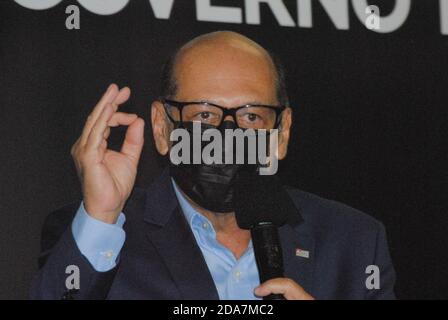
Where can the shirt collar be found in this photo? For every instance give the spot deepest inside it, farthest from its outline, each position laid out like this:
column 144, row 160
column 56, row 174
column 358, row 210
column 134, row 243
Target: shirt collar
column 194, row 218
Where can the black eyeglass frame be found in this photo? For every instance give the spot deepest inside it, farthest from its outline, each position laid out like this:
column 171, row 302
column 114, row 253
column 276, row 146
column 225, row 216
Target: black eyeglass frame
column 225, row 111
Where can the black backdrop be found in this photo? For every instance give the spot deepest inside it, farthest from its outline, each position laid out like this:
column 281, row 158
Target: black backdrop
column 369, row 130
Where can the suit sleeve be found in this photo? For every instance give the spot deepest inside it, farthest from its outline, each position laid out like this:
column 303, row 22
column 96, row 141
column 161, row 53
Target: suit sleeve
column 387, row 272
column 60, row 254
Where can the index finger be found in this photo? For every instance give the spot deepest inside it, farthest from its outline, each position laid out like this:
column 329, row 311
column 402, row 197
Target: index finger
column 108, row 97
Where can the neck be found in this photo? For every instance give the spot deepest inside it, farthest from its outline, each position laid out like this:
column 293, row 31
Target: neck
column 228, row 233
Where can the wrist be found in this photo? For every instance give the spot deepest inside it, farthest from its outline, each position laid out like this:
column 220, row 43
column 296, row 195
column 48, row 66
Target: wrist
column 109, row 217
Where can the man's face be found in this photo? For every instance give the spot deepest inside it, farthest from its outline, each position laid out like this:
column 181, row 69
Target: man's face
column 229, row 74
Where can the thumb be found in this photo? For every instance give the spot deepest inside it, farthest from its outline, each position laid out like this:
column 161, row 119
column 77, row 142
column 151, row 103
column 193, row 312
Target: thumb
column 133, row 142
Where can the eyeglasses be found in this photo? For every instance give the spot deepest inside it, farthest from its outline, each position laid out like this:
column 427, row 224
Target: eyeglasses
column 249, row 116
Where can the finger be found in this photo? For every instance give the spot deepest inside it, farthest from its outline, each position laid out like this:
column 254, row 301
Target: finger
column 122, row 96
column 96, row 134
column 276, row 286
column 74, row 147
column 133, row 142
column 286, row 287
column 117, row 119
column 115, row 99
column 103, row 145
column 106, row 133
column 121, row 118
column 108, row 97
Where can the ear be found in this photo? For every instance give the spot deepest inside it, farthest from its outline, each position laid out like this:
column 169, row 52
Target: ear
column 160, row 127
column 284, row 132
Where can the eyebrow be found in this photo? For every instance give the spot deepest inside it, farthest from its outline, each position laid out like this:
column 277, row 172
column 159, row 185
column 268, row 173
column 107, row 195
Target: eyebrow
column 252, row 102
column 256, row 102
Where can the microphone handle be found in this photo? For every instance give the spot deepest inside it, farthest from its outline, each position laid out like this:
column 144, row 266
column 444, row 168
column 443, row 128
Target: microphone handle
column 268, row 254
column 274, row 297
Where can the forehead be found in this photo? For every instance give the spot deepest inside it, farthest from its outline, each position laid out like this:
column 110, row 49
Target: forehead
column 228, row 72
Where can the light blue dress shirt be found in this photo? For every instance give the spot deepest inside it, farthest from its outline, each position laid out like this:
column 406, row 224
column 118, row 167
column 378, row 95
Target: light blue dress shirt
column 98, row 241
column 235, row 279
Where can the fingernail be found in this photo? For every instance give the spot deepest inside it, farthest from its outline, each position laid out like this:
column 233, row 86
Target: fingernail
column 111, row 86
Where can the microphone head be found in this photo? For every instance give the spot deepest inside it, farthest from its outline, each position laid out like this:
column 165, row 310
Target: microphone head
column 261, row 198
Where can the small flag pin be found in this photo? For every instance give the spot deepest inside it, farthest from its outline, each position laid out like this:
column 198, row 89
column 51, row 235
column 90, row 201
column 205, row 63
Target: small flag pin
column 302, row 253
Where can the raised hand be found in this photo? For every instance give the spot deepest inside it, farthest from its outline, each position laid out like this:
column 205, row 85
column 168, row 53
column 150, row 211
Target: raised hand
column 107, row 177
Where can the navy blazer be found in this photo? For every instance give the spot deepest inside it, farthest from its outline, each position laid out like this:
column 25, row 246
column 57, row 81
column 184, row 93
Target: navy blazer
column 161, row 260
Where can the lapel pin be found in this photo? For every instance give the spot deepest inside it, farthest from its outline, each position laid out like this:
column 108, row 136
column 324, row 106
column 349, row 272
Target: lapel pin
column 302, row 253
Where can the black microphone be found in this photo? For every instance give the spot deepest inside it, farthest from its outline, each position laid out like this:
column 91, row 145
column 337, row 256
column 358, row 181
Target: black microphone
column 261, row 206
column 268, row 254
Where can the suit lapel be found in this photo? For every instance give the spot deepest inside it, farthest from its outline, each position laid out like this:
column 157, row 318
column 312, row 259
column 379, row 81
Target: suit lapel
column 173, row 239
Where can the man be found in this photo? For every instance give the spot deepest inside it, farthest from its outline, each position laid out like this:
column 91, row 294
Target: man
column 178, row 239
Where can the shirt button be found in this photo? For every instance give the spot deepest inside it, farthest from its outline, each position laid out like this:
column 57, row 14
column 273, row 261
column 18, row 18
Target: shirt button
column 238, row 274
column 108, row 254
column 205, row 225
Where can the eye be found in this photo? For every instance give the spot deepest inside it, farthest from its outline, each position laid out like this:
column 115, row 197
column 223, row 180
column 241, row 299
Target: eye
column 204, row 115
column 252, row 117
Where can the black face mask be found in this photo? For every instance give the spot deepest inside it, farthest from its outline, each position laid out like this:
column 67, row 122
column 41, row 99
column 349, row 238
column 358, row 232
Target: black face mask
column 210, row 185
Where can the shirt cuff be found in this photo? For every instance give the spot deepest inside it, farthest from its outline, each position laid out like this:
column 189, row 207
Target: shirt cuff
column 98, row 241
